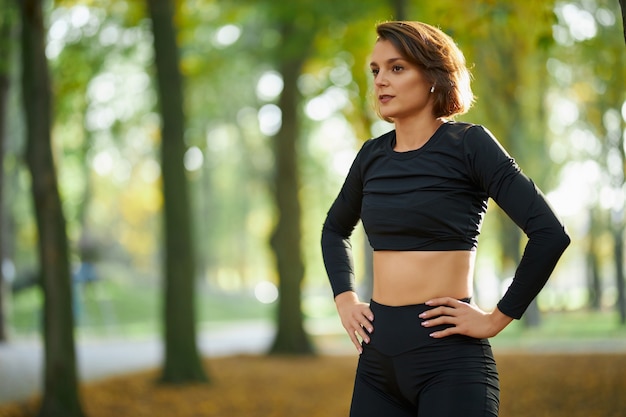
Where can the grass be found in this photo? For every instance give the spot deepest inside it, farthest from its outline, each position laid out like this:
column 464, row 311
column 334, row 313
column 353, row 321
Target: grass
column 571, row 331
column 130, row 309
column 576, row 324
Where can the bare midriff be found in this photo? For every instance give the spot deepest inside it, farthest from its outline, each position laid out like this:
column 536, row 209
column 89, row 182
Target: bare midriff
column 414, row 277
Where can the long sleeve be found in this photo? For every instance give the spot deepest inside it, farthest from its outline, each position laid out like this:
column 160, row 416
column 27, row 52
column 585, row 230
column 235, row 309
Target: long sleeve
column 342, row 217
column 497, row 173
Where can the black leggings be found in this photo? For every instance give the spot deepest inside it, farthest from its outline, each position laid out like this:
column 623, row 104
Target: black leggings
column 403, row 372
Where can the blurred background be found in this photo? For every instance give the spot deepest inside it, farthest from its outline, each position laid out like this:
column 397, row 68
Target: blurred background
column 276, row 104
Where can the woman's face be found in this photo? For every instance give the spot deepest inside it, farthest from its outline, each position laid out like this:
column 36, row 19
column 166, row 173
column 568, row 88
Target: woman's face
column 401, row 89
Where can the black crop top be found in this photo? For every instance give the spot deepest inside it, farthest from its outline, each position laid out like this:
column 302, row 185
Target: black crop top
column 435, row 198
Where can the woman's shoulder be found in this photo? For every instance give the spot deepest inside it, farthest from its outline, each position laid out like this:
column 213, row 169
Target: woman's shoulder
column 377, row 143
column 387, row 136
column 472, row 136
column 464, row 129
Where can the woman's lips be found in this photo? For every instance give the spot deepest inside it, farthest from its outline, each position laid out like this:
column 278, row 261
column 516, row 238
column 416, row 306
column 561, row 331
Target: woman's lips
column 384, row 98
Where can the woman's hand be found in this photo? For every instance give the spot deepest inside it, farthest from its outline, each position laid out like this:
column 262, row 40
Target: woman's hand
column 356, row 317
column 466, row 319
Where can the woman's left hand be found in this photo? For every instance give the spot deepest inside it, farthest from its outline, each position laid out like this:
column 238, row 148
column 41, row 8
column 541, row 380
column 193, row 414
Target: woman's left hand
column 465, row 318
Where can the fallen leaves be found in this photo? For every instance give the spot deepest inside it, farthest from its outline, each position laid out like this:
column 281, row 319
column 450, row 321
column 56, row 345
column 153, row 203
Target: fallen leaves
column 571, row 385
column 261, row 386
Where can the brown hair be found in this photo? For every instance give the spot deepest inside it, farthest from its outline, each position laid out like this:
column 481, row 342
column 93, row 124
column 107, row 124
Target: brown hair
column 439, row 59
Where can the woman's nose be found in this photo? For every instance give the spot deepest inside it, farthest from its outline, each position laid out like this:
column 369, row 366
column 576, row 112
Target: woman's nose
column 381, row 79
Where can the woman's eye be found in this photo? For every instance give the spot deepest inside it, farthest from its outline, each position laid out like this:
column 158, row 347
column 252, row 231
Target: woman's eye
column 397, row 68
column 375, row 71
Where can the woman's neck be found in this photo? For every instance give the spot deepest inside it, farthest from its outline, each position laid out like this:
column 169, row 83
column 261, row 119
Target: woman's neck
column 413, row 134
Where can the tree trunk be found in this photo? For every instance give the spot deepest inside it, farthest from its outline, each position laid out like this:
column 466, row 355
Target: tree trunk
column 286, row 239
column 4, row 87
column 182, row 360
column 622, row 4
column 618, row 237
column 7, row 29
column 620, row 215
column 60, row 391
column 400, row 9
column 594, row 286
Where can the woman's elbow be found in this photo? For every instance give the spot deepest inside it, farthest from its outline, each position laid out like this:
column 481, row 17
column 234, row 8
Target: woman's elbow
column 565, row 239
column 560, row 240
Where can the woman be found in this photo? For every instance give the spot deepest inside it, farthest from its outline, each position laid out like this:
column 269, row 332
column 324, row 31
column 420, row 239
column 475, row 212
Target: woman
column 421, row 192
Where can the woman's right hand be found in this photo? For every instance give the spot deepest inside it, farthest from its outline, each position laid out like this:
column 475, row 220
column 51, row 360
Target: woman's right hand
column 356, row 317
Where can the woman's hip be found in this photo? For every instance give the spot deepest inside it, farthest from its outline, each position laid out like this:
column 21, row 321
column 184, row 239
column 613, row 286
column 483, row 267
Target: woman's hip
column 398, row 329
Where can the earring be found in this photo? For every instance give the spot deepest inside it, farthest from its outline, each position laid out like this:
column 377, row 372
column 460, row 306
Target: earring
column 432, row 89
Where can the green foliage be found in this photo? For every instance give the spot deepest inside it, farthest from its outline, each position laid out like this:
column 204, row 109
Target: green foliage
column 105, row 132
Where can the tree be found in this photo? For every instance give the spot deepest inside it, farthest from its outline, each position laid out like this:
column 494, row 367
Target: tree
column 611, row 72
column 286, row 238
column 598, row 60
column 60, row 379
column 299, row 26
column 7, row 29
column 622, row 4
column 594, row 282
column 620, row 223
column 182, row 360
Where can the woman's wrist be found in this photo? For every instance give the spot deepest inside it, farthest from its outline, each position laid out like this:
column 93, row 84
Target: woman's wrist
column 499, row 321
column 347, row 296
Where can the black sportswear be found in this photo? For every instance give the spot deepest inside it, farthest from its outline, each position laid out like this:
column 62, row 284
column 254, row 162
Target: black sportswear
column 435, row 198
column 403, row 372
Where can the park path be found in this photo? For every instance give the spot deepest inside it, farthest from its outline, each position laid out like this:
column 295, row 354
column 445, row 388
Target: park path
column 98, row 358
